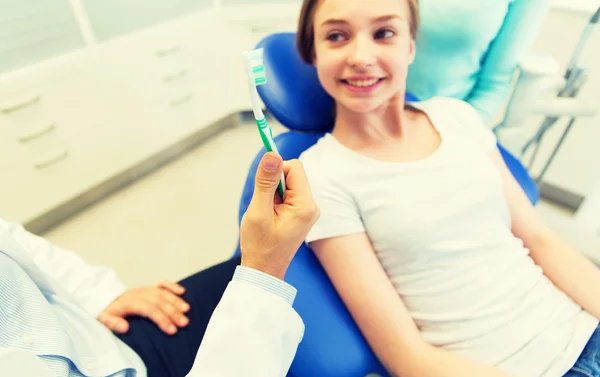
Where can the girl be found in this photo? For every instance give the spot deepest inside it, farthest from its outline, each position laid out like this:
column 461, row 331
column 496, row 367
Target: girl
column 429, row 240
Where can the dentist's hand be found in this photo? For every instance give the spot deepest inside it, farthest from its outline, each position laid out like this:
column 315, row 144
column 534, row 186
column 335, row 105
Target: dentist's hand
column 272, row 230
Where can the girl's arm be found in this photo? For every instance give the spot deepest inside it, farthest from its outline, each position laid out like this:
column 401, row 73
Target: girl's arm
column 382, row 317
column 566, row 267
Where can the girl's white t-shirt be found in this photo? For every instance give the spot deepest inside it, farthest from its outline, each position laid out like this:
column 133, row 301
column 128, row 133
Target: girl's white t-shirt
column 441, row 229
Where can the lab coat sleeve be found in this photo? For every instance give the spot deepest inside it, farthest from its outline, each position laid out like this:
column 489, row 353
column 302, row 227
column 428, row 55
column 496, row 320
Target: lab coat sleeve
column 521, row 25
column 253, row 332
column 92, row 287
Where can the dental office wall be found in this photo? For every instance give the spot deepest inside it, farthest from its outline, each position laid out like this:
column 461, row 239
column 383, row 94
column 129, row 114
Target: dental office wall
column 94, row 93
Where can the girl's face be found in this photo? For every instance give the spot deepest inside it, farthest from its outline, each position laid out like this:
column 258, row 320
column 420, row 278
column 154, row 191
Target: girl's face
column 363, row 50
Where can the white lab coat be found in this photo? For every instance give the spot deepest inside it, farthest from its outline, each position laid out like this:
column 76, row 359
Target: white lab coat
column 251, row 333
column 92, row 287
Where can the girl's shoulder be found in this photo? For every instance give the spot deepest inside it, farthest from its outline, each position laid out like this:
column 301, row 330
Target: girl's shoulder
column 318, row 159
column 457, row 118
column 448, row 108
column 328, row 164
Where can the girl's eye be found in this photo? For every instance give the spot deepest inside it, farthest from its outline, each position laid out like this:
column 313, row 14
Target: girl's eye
column 384, row 34
column 335, row 37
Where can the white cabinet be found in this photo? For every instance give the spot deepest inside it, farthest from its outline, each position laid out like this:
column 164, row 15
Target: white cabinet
column 168, row 81
column 72, row 122
column 69, row 124
column 51, row 124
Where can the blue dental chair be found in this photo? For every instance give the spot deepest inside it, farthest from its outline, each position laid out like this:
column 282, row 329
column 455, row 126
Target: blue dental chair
column 333, row 345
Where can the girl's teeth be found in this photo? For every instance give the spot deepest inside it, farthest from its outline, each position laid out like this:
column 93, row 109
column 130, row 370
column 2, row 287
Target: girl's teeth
column 363, row 83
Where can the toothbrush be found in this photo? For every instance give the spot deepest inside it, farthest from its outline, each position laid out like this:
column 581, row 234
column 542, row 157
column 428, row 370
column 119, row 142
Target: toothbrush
column 255, row 71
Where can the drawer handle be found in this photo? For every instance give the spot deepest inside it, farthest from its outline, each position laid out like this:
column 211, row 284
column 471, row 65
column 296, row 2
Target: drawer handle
column 53, row 161
column 37, row 134
column 175, row 77
column 181, row 101
column 168, row 51
column 21, row 105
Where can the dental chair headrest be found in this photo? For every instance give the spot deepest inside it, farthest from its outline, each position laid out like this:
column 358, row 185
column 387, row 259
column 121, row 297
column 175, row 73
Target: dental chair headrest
column 293, row 93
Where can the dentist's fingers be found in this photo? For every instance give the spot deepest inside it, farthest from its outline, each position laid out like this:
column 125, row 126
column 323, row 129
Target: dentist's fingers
column 271, row 234
column 268, row 175
column 296, row 179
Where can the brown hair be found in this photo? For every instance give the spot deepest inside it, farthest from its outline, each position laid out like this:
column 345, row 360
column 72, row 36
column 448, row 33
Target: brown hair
column 305, row 36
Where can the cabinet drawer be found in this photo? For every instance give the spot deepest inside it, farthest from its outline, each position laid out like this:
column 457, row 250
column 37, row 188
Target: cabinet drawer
column 37, row 107
column 10, row 150
column 34, row 189
column 178, row 76
column 66, row 169
column 142, row 67
column 53, row 120
column 32, row 148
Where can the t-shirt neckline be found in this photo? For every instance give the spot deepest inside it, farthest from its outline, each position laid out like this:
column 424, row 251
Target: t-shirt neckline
column 434, row 156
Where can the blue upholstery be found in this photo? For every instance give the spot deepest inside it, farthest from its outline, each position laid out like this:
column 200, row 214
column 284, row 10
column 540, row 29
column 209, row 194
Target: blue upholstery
column 521, row 175
column 333, row 345
column 301, row 83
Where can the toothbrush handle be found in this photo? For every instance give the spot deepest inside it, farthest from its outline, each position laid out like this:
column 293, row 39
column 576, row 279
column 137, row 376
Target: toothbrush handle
column 266, row 136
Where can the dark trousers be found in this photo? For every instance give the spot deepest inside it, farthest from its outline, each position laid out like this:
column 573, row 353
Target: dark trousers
column 173, row 356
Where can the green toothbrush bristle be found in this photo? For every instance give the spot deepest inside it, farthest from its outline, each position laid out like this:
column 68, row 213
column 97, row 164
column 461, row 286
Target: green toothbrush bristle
column 258, row 69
